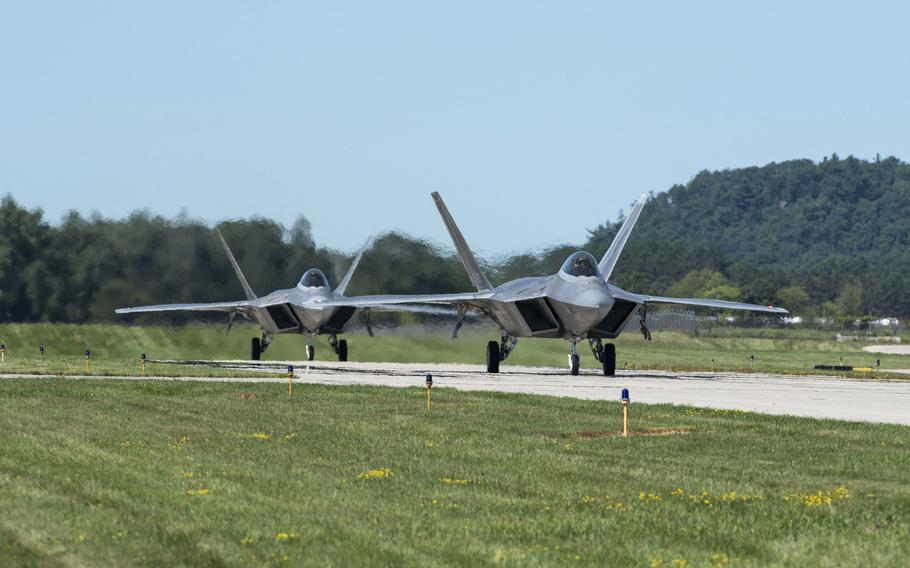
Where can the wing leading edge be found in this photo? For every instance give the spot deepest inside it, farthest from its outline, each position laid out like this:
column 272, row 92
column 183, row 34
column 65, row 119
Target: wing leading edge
column 379, row 301
column 241, row 306
column 708, row 303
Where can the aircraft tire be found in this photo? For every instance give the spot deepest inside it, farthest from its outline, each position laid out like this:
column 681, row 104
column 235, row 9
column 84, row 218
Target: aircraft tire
column 608, row 357
column 310, row 352
column 255, row 349
column 492, row 357
column 343, row 350
column 574, row 363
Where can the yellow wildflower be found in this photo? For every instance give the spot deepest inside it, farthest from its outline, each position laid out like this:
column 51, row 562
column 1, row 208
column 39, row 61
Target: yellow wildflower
column 381, row 473
column 246, row 540
column 261, row 436
column 198, row 492
column 451, row 481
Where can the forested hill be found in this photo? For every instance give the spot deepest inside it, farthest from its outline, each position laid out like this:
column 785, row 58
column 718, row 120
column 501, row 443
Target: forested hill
column 829, row 238
column 791, row 214
column 836, row 228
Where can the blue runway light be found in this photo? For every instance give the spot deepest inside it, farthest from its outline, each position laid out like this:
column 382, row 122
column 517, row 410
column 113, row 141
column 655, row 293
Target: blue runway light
column 290, row 369
column 88, row 354
column 625, row 395
column 429, row 380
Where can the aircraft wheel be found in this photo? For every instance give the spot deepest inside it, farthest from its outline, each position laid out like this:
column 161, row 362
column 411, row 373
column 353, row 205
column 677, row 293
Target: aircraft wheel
column 574, row 363
column 343, row 350
column 608, row 357
column 255, row 349
column 310, row 352
column 492, row 357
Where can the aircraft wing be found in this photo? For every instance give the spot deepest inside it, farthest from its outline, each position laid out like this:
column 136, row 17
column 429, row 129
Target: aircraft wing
column 707, row 303
column 241, row 306
column 414, row 309
column 401, row 302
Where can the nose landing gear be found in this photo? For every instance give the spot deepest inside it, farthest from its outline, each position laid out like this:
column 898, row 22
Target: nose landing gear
column 574, row 359
column 310, row 348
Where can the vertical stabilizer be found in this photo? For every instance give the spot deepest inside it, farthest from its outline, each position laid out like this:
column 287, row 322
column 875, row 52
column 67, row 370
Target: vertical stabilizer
column 343, row 285
column 467, row 257
column 608, row 262
column 250, row 295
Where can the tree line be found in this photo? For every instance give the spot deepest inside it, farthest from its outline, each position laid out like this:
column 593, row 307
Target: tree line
column 828, row 238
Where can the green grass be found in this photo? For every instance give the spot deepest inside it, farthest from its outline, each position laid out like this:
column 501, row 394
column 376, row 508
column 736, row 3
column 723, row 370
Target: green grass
column 68, row 366
column 794, row 353
column 115, row 473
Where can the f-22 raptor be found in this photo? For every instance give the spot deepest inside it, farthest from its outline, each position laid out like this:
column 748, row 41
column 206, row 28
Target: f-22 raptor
column 575, row 304
column 293, row 310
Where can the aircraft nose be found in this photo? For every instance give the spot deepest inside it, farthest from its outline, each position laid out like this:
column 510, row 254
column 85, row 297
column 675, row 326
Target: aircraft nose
column 597, row 298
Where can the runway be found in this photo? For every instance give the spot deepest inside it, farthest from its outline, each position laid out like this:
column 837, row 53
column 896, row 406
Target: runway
column 886, row 401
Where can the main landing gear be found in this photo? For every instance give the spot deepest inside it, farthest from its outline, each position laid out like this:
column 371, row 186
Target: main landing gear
column 339, row 347
column 497, row 352
column 258, row 346
column 605, row 354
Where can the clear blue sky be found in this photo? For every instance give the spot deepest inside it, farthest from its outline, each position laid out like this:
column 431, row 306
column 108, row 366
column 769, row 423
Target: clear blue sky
column 535, row 120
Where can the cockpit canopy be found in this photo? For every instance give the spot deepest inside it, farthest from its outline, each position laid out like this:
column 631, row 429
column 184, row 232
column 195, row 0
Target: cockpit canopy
column 580, row 264
column 313, row 278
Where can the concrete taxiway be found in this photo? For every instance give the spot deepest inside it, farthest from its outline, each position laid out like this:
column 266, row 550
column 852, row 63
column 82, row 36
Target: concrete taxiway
column 886, row 401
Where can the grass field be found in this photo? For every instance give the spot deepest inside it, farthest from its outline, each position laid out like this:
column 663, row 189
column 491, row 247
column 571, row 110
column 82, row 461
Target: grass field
column 115, row 473
column 122, row 345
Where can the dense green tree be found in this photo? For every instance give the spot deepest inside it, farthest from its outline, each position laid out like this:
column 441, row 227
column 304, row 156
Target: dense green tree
column 794, row 298
column 850, row 300
column 705, row 283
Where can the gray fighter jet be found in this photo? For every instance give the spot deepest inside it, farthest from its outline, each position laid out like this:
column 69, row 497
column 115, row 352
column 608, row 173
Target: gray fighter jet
column 287, row 311
column 576, row 303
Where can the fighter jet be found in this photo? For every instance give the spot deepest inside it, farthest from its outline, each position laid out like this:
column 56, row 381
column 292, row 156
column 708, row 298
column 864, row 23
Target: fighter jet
column 575, row 304
column 286, row 311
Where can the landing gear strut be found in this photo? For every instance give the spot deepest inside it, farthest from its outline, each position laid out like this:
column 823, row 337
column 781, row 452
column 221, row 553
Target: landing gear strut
column 497, row 352
column 310, row 348
column 642, row 317
column 574, row 359
column 339, row 347
column 606, row 354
